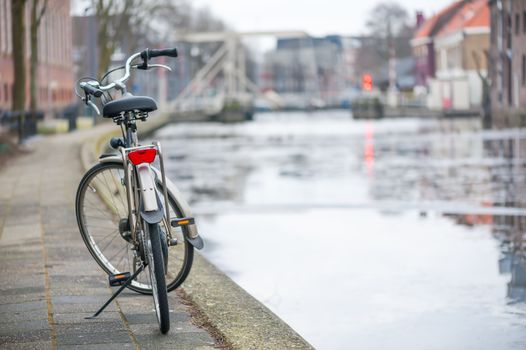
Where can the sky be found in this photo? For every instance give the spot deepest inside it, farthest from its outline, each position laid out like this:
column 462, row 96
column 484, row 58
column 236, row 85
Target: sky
column 317, row 17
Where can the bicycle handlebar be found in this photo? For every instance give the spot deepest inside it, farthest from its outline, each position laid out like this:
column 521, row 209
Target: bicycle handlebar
column 147, row 54
column 89, row 89
column 94, row 89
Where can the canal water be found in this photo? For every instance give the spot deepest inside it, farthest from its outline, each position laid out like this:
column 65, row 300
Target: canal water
column 403, row 233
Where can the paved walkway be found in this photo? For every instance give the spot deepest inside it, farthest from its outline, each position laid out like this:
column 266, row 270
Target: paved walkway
column 48, row 280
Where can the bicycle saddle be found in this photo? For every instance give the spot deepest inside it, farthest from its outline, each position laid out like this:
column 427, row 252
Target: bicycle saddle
column 129, row 103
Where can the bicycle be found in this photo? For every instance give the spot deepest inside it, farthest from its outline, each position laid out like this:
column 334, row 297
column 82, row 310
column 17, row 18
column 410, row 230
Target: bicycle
column 133, row 220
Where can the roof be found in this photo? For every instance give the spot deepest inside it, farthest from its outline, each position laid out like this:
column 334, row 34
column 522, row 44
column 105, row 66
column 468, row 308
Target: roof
column 435, row 23
column 473, row 14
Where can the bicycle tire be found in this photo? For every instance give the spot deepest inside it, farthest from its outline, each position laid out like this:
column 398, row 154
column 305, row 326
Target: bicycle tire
column 180, row 257
column 157, row 277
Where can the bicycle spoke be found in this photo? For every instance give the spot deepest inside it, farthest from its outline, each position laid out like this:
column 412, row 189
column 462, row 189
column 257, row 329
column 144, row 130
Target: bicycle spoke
column 107, row 245
column 101, row 212
column 119, row 251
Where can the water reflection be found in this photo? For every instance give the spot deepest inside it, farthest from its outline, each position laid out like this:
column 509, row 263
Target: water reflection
column 461, row 163
column 510, row 233
column 391, row 270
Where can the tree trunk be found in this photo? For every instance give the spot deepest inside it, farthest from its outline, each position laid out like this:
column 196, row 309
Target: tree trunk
column 113, row 19
column 19, row 69
column 104, row 39
column 36, row 19
column 33, row 60
column 106, row 50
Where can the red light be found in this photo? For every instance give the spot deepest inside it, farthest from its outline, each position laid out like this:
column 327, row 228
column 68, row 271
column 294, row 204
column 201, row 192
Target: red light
column 142, row 156
column 367, row 82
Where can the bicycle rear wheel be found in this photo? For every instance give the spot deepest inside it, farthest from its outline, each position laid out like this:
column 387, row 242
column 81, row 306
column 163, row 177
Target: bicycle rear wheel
column 102, row 215
column 155, row 259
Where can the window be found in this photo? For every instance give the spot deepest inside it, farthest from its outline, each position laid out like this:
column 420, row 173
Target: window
column 523, row 70
column 517, row 24
column 524, row 22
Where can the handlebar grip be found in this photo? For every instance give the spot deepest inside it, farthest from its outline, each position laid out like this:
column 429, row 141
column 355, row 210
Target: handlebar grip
column 92, row 90
column 148, row 53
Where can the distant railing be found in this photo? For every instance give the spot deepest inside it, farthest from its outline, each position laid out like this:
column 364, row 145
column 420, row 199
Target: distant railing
column 25, row 123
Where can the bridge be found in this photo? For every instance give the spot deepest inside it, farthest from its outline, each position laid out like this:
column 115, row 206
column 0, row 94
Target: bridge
column 234, row 99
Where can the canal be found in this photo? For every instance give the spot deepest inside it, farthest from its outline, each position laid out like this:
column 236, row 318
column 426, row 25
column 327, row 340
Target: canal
column 402, row 233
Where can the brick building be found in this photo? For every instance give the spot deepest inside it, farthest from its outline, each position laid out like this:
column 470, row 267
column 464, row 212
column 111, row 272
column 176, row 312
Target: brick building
column 508, row 58
column 55, row 72
column 450, row 49
column 423, row 44
column 302, row 69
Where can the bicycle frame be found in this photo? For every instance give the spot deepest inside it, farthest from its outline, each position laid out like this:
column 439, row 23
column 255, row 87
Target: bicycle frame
column 169, row 189
column 141, row 194
column 140, row 178
column 140, row 227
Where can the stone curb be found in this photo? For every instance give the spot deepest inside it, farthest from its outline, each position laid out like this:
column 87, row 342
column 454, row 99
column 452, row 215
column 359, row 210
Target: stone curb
column 241, row 320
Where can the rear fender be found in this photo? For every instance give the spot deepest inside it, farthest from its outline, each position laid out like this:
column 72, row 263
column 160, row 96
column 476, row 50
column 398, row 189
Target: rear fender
column 147, row 188
column 174, row 194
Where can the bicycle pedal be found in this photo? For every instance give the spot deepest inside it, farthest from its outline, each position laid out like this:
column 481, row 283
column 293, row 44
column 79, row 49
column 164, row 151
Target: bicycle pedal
column 119, row 279
column 182, row 222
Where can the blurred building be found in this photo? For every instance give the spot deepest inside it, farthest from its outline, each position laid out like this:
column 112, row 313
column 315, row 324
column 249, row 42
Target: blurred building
column 423, row 43
column 508, row 104
column 55, row 71
column 508, row 57
column 451, row 52
column 311, row 69
column 85, row 57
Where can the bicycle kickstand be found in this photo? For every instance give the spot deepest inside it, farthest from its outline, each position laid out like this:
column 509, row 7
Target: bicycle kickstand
column 124, row 285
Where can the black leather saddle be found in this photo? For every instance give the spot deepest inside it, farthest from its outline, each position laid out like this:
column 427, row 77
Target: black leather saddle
column 129, row 103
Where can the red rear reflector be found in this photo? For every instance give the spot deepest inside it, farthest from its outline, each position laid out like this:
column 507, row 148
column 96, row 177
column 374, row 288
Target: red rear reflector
column 142, row 156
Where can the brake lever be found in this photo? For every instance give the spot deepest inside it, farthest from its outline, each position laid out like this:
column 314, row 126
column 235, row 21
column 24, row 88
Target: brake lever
column 156, row 65
column 94, row 106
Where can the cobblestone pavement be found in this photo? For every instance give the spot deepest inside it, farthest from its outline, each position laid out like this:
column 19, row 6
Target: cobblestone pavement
column 48, row 281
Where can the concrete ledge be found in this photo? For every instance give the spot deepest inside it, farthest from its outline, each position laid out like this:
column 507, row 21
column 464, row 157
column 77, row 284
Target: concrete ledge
column 237, row 317
column 243, row 321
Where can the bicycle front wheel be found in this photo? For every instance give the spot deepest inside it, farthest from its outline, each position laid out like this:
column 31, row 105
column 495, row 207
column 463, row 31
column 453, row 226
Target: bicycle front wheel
column 102, row 216
column 155, row 261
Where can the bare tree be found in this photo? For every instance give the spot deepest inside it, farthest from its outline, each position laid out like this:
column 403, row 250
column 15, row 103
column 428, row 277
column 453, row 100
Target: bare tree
column 388, row 25
column 486, row 87
column 387, row 18
column 38, row 10
column 19, row 55
column 128, row 25
column 388, row 33
column 205, row 21
column 19, row 52
column 113, row 18
column 129, row 22
column 180, row 16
